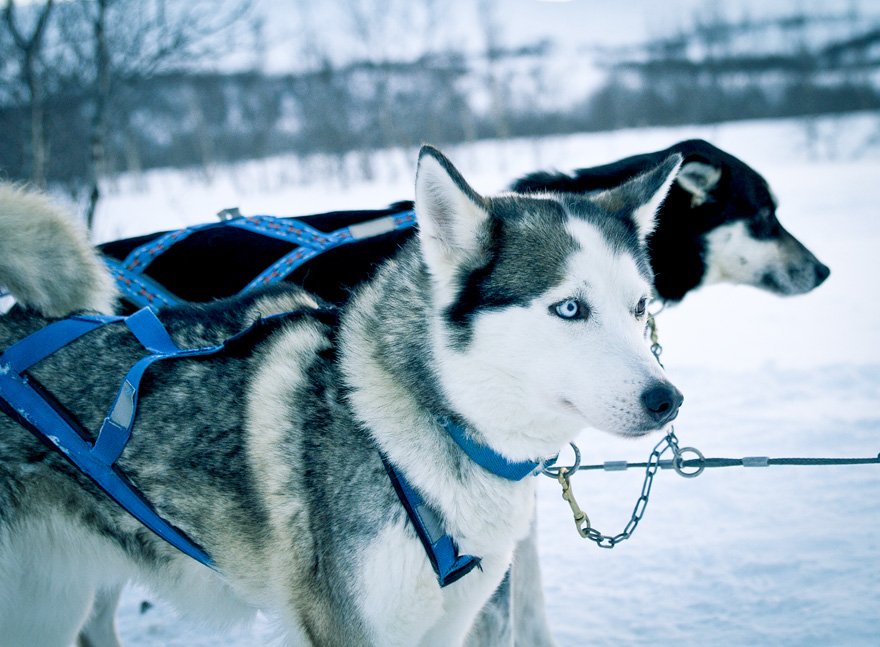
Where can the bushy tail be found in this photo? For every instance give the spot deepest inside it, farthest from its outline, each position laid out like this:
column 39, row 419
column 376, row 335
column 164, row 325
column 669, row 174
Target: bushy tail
column 46, row 261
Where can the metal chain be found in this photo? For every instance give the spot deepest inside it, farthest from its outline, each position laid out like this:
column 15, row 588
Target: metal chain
column 656, row 348
column 562, row 474
column 670, row 441
column 582, row 521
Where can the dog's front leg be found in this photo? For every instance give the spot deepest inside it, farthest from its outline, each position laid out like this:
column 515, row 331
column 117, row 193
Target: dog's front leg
column 530, row 627
column 515, row 616
column 494, row 625
column 100, row 628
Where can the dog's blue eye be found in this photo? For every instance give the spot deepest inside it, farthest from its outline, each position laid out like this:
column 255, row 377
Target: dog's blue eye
column 570, row 309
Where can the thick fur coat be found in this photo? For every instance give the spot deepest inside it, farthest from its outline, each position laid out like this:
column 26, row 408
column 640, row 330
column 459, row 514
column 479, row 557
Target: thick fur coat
column 522, row 318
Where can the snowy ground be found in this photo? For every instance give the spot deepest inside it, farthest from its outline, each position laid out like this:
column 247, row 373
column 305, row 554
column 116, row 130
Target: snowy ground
column 772, row 556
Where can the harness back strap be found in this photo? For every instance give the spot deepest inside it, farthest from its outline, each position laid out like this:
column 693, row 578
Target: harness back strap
column 309, row 241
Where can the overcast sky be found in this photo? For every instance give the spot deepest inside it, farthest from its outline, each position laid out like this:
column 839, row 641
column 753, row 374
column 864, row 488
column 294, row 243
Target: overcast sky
column 573, row 24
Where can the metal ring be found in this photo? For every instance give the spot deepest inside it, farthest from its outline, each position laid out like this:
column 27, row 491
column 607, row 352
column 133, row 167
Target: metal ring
column 553, row 471
column 677, row 461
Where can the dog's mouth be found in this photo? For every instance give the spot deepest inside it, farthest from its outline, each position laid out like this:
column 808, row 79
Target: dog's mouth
column 637, row 432
column 793, row 280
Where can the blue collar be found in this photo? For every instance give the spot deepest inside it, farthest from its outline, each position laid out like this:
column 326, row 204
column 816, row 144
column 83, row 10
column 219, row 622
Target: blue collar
column 488, row 458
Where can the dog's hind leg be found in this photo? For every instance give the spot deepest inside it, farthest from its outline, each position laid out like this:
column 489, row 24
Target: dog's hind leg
column 100, row 629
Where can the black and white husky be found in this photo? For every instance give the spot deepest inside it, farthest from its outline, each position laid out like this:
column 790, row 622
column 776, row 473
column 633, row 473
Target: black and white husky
column 521, row 318
column 718, row 215
column 717, row 225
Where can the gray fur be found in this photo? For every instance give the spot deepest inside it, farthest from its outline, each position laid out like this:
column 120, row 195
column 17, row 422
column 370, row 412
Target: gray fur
column 41, row 250
column 220, row 504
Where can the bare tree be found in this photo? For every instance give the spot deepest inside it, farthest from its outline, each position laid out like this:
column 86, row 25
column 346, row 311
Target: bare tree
column 122, row 42
column 29, row 48
column 490, row 24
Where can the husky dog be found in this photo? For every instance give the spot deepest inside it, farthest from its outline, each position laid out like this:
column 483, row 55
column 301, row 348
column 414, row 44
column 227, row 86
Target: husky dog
column 520, row 318
column 718, row 223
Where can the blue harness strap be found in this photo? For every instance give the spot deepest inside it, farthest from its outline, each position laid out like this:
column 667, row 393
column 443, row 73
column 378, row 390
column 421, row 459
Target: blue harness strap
column 310, row 242
column 440, row 547
column 139, row 288
column 26, row 404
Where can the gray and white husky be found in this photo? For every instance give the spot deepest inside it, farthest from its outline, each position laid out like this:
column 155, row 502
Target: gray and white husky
column 521, row 318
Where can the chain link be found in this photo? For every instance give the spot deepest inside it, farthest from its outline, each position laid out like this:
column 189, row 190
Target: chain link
column 607, row 541
column 656, row 348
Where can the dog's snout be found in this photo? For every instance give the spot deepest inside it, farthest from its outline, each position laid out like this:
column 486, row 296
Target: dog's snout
column 822, row 272
column 662, row 402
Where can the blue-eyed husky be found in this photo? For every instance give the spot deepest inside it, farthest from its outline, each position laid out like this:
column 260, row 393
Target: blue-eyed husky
column 519, row 319
column 716, row 224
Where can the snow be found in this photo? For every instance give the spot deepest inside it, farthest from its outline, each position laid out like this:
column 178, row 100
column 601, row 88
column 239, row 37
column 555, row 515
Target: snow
column 786, row 556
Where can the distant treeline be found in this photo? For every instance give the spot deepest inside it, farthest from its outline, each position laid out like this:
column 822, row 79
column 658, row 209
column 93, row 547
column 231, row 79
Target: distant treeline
column 182, row 120
column 186, row 119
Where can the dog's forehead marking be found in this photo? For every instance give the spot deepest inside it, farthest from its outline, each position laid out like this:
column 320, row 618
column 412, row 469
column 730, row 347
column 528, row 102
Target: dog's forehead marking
column 616, row 227
column 600, row 264
column 532, row 245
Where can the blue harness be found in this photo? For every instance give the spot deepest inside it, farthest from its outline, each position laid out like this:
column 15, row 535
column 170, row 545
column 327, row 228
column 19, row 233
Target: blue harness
column 28, row 404
column 143, row 291
column 25, row 402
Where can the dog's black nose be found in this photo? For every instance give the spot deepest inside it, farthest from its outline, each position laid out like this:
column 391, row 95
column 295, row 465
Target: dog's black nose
column 662, row 402
column 822, row 273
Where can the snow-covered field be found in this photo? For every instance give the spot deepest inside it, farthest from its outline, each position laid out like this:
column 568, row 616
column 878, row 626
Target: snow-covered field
column 773, row 556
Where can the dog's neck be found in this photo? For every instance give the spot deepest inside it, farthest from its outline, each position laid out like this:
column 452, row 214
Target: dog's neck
column 385, row 356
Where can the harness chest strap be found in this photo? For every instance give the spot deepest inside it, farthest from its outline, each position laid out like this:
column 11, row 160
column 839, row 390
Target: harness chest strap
column 20, row 399
column 440, row 547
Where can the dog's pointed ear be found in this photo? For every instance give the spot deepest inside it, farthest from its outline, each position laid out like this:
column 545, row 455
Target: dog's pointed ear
column 654, row 185
column 454, row 223
column 699, row 179
column 642, row 195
